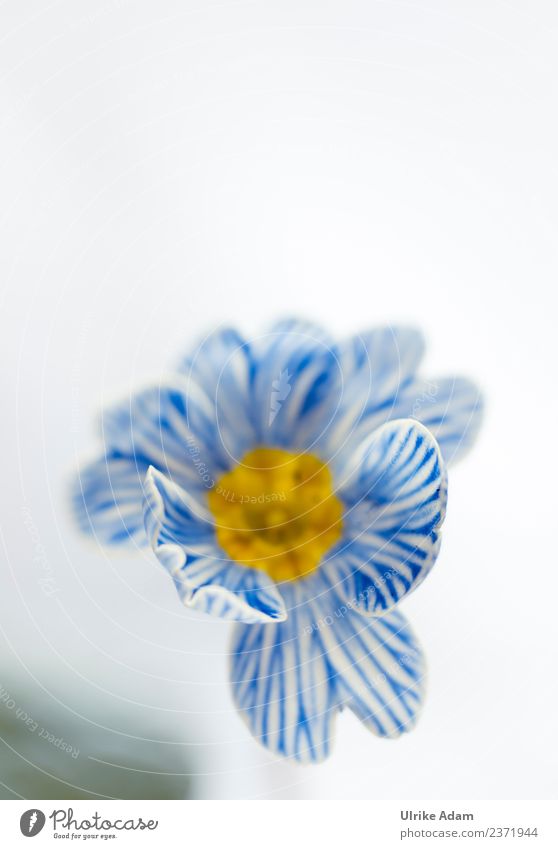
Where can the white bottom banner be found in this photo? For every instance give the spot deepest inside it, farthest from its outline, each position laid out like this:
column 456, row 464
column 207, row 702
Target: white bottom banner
column 269, row 824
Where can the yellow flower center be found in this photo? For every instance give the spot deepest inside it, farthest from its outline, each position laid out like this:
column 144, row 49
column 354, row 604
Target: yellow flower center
column 277, row 511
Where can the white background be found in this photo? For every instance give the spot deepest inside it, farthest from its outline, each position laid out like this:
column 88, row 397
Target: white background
column 169, row 166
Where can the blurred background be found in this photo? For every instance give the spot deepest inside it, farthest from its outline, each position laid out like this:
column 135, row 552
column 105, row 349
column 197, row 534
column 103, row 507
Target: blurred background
column 166, row 167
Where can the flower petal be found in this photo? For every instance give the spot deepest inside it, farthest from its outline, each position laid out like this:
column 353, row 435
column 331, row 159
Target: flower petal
column 379, row 669
column 296, row 384
column 107, row 500
column 396, row 491
column 450, row 407
column 182, row 535
column 290, row 679
column 375, row 366
column 163, row 427
column 283, row 686
column 385, row 357
column 221, row 366
column 152, row 427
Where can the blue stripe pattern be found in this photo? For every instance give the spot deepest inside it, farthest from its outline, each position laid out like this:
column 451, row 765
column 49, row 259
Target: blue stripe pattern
column 107, row 500
column 290, row 679
column 222, row 367
column 395, row 489
column 181, row 533
column 380, row 672
column 451, row 408
column 296, row 385
column 150, row 428
column 167, row 426
column 375, row 366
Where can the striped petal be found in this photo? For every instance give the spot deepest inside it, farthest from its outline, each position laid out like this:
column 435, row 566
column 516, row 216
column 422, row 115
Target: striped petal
column 289, row 679
column 379, row 669
column 375, row 366
column 164, row 427
column 296, row 385
column 283, row 685
column 181, row 532
column 107, row 500
column 383, row 359
column 152, row 427
column 221, row 366
column 396, row 490
column 451, row 408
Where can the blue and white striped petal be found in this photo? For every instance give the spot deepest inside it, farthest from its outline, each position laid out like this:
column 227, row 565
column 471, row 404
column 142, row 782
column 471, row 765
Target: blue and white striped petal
column 168, row 428
column 379, row 669
column 181, row 533
column 375, row 366
column 151, row 427
column 290, row 679
column 381, row 361
column 450, row 407
column 387, row 356
column 395, row 489
column 283, row 685
column 296, row 386
column 221, row 365
column 107, row 500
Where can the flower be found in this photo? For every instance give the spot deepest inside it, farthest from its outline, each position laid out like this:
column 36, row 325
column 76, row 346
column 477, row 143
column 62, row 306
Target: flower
column 296, row 486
